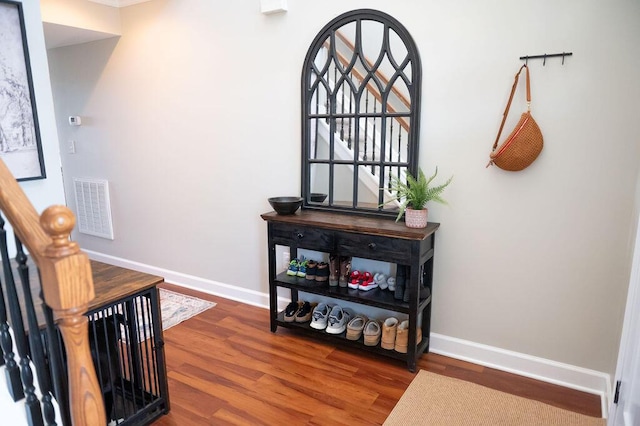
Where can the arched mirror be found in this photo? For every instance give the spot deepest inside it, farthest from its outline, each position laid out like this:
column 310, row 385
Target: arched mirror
column 360, row 113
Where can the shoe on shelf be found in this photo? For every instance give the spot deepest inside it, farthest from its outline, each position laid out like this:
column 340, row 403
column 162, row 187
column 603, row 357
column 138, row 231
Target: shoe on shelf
column 424, row 293
column 322, row 272
column 345, row 271
column 355, row 326
column 302, row 269
column 389, row 328
column 381, row 279
column 402, row 337
column 305, row 312
column 312, row 269
column 354, row 279
column 320, row 316
column 334, row 270
column 291, row 311
column 367, row 282
column 398, row 293
column 371, row 332
column 293, row 268
column 391, row 284
column 338, row 320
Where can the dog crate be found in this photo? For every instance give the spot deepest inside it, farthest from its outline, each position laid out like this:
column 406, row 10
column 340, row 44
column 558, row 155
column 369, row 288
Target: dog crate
column 127, row 350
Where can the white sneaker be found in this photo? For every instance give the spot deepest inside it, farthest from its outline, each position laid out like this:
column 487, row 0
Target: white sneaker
column 320, row 316
column 381, row 280
column 391, row 284
column 338, row 319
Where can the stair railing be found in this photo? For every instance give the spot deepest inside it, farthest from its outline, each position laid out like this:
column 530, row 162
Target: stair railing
column 397, row 128
column 67, row 289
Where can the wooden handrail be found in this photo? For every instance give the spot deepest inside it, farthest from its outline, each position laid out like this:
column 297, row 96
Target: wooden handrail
column 374, row 90
column 67, row 286
column 378, row 73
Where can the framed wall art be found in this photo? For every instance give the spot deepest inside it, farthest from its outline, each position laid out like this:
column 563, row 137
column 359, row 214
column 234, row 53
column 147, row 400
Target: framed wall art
column 20, row 144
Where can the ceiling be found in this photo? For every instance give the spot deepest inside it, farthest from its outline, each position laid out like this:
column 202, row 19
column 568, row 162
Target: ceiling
column 56, row 35
column 119, row 3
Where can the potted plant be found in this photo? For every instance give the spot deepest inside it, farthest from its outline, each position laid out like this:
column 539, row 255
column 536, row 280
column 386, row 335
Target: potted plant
column 414, row 195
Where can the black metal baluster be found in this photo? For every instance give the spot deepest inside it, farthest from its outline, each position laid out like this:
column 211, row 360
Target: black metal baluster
column 366, row 127
column 12, row 372
column 391, row 140
column 351, row 127
column 399, row 143
column 329, row 110
column 399, row 147
column 373, row 142
column 54, row 354
column 32, row 404
column 316, row 121
column 35, row 343
column 342, row 112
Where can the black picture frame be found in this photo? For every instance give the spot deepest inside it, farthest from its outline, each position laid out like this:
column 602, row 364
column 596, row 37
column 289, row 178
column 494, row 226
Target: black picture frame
column 20, row 142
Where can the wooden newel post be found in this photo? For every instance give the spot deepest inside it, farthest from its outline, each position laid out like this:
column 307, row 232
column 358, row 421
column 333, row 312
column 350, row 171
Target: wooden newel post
column 68, row 289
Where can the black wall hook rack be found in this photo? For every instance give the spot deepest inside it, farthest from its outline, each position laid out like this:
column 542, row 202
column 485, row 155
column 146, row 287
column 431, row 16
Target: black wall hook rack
column 545, row 56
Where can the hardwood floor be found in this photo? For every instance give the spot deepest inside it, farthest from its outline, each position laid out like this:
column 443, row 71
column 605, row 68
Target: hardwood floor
column 226, row 367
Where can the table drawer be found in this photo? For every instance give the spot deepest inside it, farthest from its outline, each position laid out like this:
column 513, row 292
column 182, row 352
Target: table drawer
column 302, row 237
column 373, row 247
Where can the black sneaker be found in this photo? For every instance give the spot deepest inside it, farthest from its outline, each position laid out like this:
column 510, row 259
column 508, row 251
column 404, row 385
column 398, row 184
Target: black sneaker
column 322, row 272
column 312, row 269
column 291, row 310
column 305, row 312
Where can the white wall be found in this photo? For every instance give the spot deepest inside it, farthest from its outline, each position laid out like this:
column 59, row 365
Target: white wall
column 43, row 192
column 193, row 116
column 46, row 192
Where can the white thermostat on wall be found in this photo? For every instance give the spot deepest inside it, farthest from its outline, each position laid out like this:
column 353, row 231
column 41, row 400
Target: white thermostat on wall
column 74, row 120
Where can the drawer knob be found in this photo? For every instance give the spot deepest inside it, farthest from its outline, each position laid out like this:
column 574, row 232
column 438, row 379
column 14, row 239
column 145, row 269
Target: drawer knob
column 300, row 235
column 372, row 246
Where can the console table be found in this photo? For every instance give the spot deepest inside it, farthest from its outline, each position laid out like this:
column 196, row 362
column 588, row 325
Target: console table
column 362, row 237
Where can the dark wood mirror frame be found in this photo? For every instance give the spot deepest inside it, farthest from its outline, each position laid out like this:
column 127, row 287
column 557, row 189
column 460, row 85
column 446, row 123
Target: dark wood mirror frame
column 357, row 122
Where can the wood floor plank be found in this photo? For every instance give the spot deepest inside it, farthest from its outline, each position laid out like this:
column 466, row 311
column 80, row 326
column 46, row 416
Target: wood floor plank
column 247, row 401
column 225, row 367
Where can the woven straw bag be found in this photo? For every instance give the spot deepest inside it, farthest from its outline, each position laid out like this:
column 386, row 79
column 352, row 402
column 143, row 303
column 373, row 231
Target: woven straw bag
column 524, row 143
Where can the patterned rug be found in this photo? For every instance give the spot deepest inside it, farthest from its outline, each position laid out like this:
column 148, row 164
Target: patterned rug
column 178, row 307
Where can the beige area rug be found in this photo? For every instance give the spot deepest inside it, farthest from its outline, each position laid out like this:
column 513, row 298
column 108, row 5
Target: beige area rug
column 432, row 399
column 178, row 307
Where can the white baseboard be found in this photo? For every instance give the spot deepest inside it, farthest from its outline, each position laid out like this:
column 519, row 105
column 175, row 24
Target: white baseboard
column 570, row 376
column 239, row 294
column 545, row 370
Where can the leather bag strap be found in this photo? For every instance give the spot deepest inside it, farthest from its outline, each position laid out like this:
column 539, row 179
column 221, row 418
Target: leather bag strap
column 513, row 91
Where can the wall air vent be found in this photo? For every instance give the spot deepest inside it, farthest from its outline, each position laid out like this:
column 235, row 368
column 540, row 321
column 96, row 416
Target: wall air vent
column 93, row 207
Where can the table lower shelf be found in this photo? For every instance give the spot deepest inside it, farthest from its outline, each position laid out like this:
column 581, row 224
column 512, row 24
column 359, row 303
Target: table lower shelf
column 342, row 340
